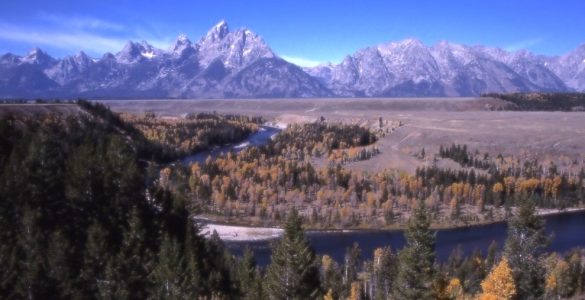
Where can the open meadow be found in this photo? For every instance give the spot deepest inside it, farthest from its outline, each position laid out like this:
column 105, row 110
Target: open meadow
column 409, row 125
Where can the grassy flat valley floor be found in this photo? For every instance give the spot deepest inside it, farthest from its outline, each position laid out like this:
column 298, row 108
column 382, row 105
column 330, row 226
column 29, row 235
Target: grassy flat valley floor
column 411, row 124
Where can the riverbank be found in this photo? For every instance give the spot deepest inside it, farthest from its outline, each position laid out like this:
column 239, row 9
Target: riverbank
column 242, row 232
column 566, row 228
column 232, row 233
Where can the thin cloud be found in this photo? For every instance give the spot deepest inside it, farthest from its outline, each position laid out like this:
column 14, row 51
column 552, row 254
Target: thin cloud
column 65, row 41
column 302, row 62
column 81, row 22
column 72, row 41
column 524, row 44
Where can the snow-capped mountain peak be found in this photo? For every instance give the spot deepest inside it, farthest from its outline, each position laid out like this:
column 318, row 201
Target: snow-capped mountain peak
column 38, row 57
column 238, row 63
column 223, row 63
column 10, row 58
column 181, row 46
column 134, row 52
column 234, row 49
column 409, row 68
column 411, row 42
column 217, row 32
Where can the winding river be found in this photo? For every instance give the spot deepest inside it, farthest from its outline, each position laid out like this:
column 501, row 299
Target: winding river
column 568, row 229
column 259, row 138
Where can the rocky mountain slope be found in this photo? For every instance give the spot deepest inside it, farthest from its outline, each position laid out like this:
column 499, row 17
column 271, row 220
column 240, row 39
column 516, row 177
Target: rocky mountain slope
column 409, row 68
column 224, row 63
column 239, row 64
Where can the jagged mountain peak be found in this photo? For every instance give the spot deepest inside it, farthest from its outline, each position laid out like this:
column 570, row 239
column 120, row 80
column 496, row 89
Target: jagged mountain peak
column 408, row 67
column 405, row 44
column 36, row 51
column 182, row 39
column 181, row 44
column 134, row 52
column 404, row 47
column 234, row 49
column 238, row 63
column 217, row 32
column 82, row 55
column 10, row 58
column 81, row 58
column 570, row 67
column 38, row 57
column 411, row 42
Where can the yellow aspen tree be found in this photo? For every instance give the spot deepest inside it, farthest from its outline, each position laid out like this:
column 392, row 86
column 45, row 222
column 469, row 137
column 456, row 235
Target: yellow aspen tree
column 329, row 295
column 355, row 291
column 558, row 281
column 509, row 183
column 556, row 186
column 371, row 199
column 326, row 262
column 499, row 284
column 454, row 290
column 498, row 188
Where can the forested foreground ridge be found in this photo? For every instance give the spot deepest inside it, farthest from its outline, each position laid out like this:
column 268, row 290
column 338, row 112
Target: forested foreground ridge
column 82, row 218
column 78, row 221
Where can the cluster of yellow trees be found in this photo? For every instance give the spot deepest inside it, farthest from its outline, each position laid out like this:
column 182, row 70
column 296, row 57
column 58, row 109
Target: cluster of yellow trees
column 353, row 154
column 194, row 132
column 323, row 139
column 254, row 184
column 263, row 183
column 498, row 284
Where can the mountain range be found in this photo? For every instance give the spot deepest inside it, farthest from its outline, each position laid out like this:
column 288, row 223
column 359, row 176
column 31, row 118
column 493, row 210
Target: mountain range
column 239, row 64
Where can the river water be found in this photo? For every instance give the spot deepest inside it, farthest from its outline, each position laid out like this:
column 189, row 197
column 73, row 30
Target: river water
column 259, row 138
column 568, row 229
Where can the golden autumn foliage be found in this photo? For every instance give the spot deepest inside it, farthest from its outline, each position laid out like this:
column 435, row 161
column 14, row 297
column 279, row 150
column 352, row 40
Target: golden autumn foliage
column 261, row 183
column 498, row 188
column 193, row 132
column 558, row 279
column 329, row 295
column 454, row 290
column 499, row 284
column 355, row 291
column 326, row 262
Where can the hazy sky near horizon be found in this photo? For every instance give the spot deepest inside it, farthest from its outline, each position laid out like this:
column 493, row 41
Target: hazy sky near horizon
column 302, row 31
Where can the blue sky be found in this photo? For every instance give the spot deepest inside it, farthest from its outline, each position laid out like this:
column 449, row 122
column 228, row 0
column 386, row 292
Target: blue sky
column 306, row 32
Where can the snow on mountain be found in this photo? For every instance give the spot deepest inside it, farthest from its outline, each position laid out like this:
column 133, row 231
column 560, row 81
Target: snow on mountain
column 10, row 59
column 273, row 77
column 570, row 68
column 24, row 76
column 221, row 64
column 136, row 52
column 238, row 63
column 38, row 57
column 409, row 68
column 69, row 68
column 234, row 49
column 181, row 46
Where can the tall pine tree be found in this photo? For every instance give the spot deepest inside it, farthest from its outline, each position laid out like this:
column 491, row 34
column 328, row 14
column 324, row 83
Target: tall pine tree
column 417, row 259
column 169, row 274
column 293, row 272
column 524, row 248
column 248, row 278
